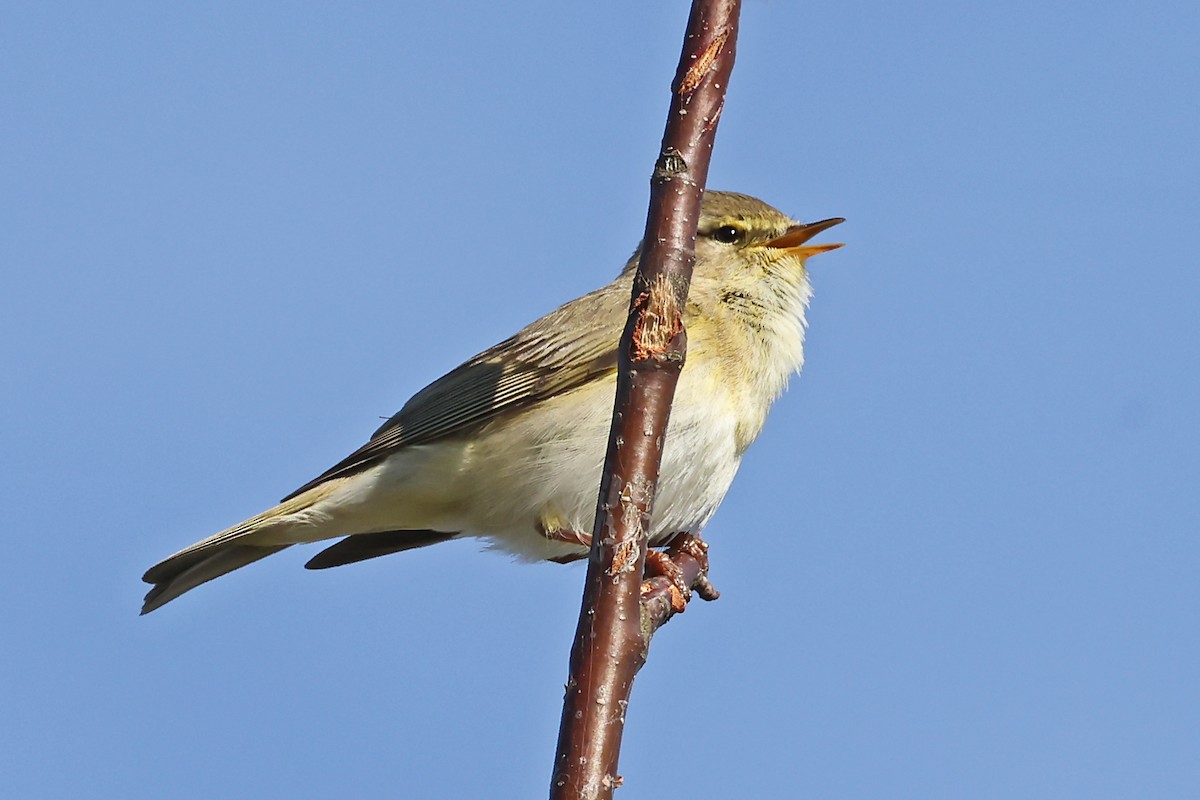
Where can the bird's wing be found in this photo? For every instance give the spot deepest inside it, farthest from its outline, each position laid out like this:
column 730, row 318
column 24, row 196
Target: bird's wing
column 568, row 347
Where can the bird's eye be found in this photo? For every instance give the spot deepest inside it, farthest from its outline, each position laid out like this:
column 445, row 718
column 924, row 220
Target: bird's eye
column 728, row 234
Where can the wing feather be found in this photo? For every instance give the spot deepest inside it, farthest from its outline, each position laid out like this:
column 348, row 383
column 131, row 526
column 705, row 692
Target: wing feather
column 568, row 347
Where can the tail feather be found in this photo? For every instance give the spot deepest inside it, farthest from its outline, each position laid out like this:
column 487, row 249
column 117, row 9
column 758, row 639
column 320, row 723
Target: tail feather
column 362, row 546
column 192, row 572
column 244, row 543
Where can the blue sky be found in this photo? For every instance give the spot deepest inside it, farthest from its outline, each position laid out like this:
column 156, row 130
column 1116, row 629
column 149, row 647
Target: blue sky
column 961, row 562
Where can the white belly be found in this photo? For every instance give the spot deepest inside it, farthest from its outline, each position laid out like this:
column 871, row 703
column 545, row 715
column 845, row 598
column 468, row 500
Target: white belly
column 509, row 480
column 530, row 472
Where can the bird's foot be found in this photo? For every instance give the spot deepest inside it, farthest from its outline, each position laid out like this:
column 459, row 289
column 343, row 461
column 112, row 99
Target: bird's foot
column 678, row 570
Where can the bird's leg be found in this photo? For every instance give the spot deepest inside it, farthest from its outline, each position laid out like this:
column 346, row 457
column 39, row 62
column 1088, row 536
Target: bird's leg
column 550, row 527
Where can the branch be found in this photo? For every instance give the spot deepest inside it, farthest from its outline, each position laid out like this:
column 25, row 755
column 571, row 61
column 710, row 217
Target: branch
column 610, row 642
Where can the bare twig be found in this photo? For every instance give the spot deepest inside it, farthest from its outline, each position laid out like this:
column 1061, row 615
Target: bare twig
column 611, row 640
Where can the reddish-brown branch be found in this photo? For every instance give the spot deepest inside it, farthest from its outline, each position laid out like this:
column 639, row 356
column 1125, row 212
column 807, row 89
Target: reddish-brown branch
column 612, row 636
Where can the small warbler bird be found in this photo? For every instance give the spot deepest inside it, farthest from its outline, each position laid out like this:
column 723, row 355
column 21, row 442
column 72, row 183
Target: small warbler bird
column 509, row 447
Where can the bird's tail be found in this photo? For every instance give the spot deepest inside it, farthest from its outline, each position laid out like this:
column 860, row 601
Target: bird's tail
column 244, row 543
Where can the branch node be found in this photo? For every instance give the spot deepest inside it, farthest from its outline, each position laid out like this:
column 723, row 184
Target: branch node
column 706, row 590
column 659, row 321
column 625, row 556
column 702, row 64
column 670, row 164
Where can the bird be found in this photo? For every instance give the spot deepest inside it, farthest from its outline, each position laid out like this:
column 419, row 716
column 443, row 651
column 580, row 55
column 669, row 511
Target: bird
column 508, row 447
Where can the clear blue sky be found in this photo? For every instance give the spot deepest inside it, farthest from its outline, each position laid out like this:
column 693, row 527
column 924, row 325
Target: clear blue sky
column 961, row 562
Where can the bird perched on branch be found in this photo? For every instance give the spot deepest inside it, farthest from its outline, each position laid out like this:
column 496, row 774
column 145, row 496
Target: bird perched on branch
column 509, row 447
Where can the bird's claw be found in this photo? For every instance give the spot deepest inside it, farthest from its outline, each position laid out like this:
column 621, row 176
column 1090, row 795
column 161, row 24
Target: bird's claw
column 679, row 582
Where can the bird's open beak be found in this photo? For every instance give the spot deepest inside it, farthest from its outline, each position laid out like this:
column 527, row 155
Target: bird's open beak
column 796, row 236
